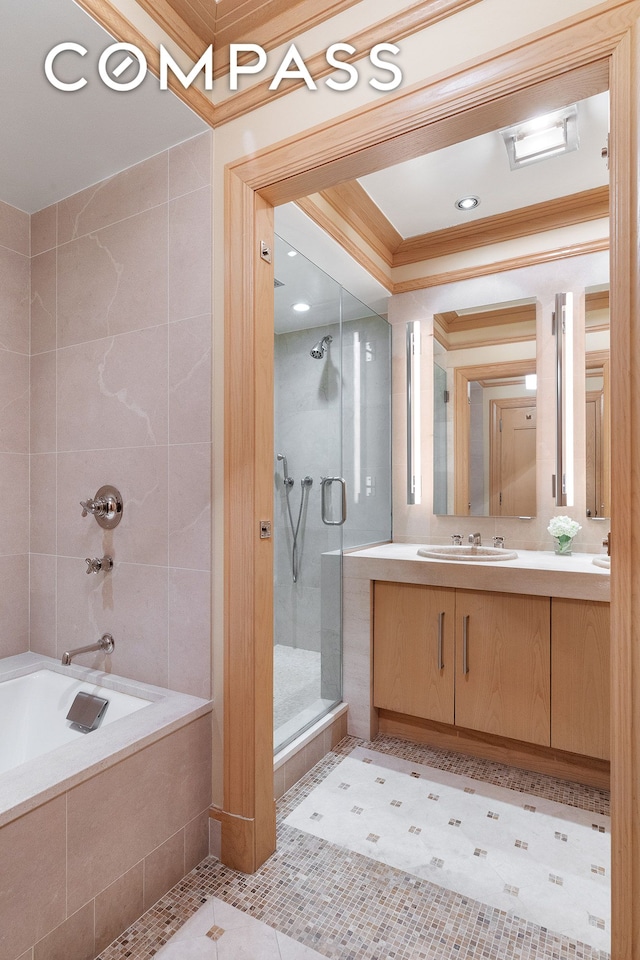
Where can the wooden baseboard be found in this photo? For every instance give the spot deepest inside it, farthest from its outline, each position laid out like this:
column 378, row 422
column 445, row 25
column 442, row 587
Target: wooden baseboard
column 553, row 763
column 237, row 840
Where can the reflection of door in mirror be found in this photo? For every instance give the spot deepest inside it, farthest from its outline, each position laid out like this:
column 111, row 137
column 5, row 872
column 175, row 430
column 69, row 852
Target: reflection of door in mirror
column 486, row 353
column 597, row 396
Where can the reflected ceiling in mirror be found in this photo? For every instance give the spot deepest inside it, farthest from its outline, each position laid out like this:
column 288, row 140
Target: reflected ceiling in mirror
column 485, row 410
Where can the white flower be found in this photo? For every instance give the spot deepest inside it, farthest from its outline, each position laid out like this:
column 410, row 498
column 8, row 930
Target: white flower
column 563, row 527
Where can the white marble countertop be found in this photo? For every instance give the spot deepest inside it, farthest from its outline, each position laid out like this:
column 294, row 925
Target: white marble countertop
column 535, row 572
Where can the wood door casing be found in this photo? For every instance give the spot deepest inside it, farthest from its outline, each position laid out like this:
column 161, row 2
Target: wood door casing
column 513, row 457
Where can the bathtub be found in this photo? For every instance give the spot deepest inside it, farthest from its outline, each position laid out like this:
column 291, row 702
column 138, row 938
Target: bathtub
column 94, row 826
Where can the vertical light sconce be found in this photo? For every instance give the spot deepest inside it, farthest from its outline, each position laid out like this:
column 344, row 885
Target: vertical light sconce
column 563, row 329
column 414, row 451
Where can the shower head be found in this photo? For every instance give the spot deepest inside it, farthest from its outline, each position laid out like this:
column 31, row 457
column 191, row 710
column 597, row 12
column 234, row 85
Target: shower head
column 319, row 350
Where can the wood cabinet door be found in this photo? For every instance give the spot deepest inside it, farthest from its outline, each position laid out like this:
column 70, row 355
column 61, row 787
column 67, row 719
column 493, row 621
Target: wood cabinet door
column 503, row 665
column 413, row 649
column 580, row 702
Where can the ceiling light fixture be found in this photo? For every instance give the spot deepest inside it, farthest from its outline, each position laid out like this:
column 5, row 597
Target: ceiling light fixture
column 542, row 137
column 292, row 253
column 301, row 307
column 467, row 203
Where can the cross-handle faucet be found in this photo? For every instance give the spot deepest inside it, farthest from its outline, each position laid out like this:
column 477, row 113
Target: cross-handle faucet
column 475, row 539
column 106, row 643
column 95, row 564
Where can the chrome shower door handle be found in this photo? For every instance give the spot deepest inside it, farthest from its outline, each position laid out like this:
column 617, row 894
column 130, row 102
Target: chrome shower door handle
column 325, row 483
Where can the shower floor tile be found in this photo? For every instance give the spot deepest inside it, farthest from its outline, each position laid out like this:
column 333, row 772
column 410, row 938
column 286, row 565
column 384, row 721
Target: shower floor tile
column 343, row 904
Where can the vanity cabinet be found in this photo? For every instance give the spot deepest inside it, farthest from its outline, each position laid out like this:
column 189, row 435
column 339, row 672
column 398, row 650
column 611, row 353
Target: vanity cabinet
column 580, row 701
column 414, row 650
column 478, row 659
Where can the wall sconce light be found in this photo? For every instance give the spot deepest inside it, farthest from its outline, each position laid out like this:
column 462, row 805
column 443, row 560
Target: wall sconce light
column 414, row 452
column 563, row 329
column 543, row 137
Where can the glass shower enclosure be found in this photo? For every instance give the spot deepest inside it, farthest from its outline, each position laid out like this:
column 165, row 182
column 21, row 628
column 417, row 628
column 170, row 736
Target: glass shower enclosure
column 332, row 475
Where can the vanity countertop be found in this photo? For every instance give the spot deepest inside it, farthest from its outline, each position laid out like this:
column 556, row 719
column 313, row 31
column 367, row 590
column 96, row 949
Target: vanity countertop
column 536, row 572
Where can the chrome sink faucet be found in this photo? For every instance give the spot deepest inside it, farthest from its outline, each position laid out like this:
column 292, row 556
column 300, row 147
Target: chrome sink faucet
column 475, row 539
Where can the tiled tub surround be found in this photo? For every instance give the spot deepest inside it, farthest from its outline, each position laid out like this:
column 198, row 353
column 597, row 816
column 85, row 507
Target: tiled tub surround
column 534, row 572
column 121, row 394
column 95, row 831
column 348, row 906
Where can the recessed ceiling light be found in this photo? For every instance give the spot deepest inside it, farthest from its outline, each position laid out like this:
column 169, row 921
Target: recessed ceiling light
column 301, row 307
column 467, row 203
column 292, row 253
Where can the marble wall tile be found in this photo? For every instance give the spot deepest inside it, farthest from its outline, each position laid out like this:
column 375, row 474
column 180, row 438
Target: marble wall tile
column 14, row 229
column 190, row 632
column 44, row 229
column 37, row 875
column 14, row 609
column 75, row 937
column 43, row 503
column 113, row 392
column 190, row 165
column 163, row 868
column 14, row 497
column 43, row 302
column 190, row 255
column 43, row 402
column 14, row 402
column 14, row 301
column 190, row 506
column 42, row 604
column 196, row 840
column 130, row 192
column 118, row 906
column 114, row 280
column 190, row 381
column 130, row 602
column 141, row 476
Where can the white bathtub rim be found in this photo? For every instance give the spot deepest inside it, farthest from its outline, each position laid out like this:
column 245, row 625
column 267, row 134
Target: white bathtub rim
column 41, row 779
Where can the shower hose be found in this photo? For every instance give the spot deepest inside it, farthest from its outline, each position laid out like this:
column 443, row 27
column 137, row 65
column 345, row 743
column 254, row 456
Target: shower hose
column 305, row 484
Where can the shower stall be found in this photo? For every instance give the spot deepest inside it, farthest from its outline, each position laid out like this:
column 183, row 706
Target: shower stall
column 332, row 475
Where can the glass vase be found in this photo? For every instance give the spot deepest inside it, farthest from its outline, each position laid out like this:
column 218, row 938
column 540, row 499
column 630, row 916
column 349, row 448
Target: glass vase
column 563, row 546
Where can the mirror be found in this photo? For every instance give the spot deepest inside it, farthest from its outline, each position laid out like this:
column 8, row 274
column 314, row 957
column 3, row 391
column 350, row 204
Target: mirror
column 485, row 410
column 597, row 400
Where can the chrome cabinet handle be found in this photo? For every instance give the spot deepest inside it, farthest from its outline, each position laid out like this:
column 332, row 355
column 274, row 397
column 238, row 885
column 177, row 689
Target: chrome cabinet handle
column 465, row 644
column 325, row 483
column 440, row 640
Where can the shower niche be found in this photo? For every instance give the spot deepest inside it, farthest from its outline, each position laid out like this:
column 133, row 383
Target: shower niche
column 331, row 477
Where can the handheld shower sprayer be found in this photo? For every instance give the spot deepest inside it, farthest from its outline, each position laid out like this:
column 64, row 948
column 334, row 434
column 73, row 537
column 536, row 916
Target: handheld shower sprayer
column 287, row 480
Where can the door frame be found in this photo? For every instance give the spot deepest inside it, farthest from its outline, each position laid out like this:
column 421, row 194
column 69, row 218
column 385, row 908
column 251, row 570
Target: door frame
column 584, row 55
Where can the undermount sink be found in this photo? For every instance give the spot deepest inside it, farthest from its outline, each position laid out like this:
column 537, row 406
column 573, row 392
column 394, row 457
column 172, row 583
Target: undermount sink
column 464, row 552
column 604, row 562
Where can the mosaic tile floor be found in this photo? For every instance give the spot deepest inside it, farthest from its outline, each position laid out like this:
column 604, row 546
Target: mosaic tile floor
column 345, row 905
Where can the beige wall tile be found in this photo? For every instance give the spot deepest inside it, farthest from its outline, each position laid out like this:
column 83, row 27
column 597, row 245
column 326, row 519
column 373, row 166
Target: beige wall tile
column 119, row 385
column 14, row 497
column 196, row 840
column 127, row 193
column 43, row 402
column 14, row 229
column 44, row 229
column 170, row 781
column 190, row 506
column 36, row 875
column 190, row 380
column 119, row 906
column 14, row 615
column 130, row 602
column 42, row 604
column 14, row 402
column 73, row 938
column 43, row 503
column 190, row 632
column 190, row 165
column 163, row 868
column 14, row 300
column 114, row 280
column 190, row 255
column 43, row 302
column 140, row 474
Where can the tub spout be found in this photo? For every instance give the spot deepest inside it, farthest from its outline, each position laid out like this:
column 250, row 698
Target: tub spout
column 105, row 643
